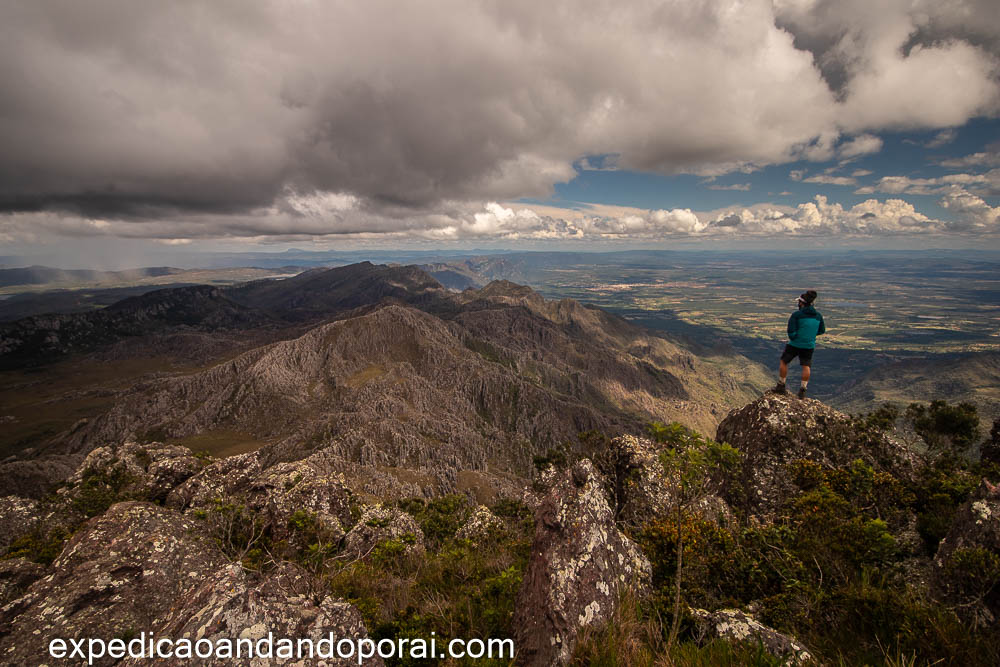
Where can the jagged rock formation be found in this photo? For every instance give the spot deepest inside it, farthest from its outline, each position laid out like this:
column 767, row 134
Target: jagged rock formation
column 776, row 430
column 273, row 495
column 483, row 382
column 580, row 563
column 738, row 626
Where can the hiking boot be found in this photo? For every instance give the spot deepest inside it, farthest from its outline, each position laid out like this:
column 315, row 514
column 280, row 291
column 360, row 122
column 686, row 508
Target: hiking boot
column 802, row 392
column 779, row 389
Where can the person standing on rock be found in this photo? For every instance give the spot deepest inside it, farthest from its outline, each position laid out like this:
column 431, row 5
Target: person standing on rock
column 803, row 326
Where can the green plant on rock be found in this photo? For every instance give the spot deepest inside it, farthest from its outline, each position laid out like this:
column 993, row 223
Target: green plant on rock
column 945, row 429
column 100, row 488
column 694, row 467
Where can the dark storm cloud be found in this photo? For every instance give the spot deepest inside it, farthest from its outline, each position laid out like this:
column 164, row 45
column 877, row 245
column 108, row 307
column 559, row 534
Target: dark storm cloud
column 241, row 118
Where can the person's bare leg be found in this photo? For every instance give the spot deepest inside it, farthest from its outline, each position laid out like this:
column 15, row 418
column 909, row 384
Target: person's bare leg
column 805, row 382
column 782, row 370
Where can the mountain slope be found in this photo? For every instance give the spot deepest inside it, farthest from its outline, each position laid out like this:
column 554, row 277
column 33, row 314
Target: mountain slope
column 973, row 377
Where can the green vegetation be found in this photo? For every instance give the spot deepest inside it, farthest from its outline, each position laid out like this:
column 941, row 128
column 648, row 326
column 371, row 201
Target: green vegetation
column 835, row 569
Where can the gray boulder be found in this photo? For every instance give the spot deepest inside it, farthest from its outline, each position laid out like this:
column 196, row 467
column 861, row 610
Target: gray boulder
column 737, row 626
column 776, row 430
column 580, row 563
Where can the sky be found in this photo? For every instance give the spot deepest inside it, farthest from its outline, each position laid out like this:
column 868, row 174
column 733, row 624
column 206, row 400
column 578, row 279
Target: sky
column 497, row 123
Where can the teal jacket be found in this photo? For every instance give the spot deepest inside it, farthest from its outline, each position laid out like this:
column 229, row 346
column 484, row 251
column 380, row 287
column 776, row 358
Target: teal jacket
column 803, row 327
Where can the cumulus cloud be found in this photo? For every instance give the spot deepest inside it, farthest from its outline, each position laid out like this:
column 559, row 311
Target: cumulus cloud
column 982, row 159
column 742, row 187
column 972, row 213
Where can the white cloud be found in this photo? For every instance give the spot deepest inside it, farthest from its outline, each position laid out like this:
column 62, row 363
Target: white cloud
column 860, row 145
column 987, row 183
column 972, row 213
column 742, row 187
column 831, row 180
column 942, row 138
column 984, row 159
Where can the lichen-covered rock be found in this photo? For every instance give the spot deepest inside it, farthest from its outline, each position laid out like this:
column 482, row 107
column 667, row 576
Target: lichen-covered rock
column 641, row 488
column 287, row 488
column 17, row 517
column 222, row 479
column 738, row 626
column 776, row 430
column 579, row 564
column 964, row 569
column 120, row 573
column 273, row 494
column 378, row 524
column 481, row 525
column 142, row 472
column 16, row 574
column 229, row 605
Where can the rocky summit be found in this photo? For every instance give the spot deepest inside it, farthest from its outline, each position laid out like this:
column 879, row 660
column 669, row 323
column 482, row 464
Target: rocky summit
column 405, row 462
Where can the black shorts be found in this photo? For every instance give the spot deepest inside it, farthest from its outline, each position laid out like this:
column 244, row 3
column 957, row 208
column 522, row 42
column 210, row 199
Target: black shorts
column 805, row 355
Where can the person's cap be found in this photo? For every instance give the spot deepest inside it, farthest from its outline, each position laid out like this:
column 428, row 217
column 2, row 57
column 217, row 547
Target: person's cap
column 808, row 297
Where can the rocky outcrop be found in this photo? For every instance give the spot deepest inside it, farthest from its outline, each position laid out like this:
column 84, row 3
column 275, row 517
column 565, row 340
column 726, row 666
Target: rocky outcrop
column 481, row 525
column 147, row 472
column 229, row 605
column 33, row 478
column 272, row 494
column 641, row 488
column 17, row 517
column 122, row 572
column 737, row 626
column 378, row 524
column 776, row 430
column 579, row 565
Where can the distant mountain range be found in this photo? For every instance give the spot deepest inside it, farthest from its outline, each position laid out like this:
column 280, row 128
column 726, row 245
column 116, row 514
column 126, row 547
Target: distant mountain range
column 385, row 366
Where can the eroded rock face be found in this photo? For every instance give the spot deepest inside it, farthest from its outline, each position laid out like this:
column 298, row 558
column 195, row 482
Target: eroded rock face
column 230, row 605
column 119, row 574
column 776, row 430
column 735, row 625
column 379, row 523
column 579, row 564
